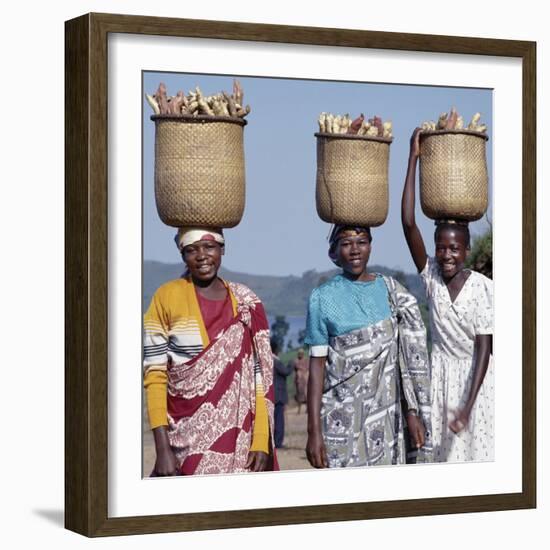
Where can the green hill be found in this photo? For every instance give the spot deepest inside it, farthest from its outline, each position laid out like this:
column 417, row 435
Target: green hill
column 281, row 295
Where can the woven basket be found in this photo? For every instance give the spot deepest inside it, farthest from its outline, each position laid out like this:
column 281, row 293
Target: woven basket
column 199, row 170
column 352, row 179
column 453, row 174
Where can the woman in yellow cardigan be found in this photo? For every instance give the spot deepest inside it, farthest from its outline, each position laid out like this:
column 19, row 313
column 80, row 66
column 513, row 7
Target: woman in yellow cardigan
column 208, row 369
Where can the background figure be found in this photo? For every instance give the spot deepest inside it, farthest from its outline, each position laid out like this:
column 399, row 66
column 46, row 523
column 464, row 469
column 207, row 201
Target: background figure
column 280, row 373
column 301, row 376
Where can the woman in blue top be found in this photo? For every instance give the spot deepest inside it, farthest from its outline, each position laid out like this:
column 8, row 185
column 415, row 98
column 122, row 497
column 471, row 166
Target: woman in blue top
column 368, row 364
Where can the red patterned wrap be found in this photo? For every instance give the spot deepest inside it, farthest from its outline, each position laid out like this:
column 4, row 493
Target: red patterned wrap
column 211, row 399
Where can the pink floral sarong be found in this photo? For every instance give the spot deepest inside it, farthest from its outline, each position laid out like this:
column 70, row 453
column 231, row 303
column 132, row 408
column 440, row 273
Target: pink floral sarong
column 211, row 398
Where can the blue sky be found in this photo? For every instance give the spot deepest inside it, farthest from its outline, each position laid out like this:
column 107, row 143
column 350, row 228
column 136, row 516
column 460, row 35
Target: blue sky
column 280, row 233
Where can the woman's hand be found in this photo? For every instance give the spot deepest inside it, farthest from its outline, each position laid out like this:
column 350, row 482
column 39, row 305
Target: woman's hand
column 415, row 143
column 460, row 421
column 257, row 461
column 315, row 450
column 416, row 430
column 166, row 463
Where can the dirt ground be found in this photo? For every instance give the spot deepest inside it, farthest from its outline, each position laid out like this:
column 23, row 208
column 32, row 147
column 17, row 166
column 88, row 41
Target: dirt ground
column 293, row 454
column 291, row 457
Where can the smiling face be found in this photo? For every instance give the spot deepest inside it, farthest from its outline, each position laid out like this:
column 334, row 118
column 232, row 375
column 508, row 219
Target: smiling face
column 203, row 260
column 353, row 251
column 451, row 250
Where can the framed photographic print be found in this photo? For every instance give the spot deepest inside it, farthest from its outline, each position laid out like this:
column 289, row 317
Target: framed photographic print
column 114, row 241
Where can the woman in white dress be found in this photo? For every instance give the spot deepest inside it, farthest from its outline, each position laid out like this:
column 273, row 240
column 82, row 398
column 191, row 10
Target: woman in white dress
column 461, row 319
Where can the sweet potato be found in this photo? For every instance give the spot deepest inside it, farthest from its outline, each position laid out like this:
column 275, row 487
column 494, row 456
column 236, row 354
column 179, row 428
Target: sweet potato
column 204, row 107
column 329, row 123
column 216, row 107
column 162, row 100
column 345, row 124
column 442, row 121
column 176, row 103
column 238, row 93
column 365, row 125
column 322, row 122
column 377, row 122
column 337, row 124
column 474, row 121
column 230, row 104
column 451, row 119
column 356, row 124
column 153, row 103
column 193, row 107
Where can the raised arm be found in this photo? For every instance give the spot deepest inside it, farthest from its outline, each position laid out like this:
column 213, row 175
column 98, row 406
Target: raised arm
column 412, row 233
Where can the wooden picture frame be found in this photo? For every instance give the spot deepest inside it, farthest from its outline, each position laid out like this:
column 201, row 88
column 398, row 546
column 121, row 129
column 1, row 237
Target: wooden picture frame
column 86, row 277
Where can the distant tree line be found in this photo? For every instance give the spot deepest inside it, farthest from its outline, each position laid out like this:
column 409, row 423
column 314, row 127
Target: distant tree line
column 481, row 254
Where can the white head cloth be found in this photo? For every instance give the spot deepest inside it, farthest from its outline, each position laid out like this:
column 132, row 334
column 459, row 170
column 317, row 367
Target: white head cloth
column 189, row 235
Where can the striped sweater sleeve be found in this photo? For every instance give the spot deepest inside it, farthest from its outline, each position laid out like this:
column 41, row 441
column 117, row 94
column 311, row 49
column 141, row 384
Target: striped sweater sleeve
column 155, row 360
column 156, row 384
column 155, row 338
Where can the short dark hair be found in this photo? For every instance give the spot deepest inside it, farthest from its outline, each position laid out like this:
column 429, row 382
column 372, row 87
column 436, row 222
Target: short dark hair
column 460, row 226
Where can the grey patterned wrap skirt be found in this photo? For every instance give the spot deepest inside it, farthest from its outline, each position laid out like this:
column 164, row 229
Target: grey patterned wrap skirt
column 372, row 376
